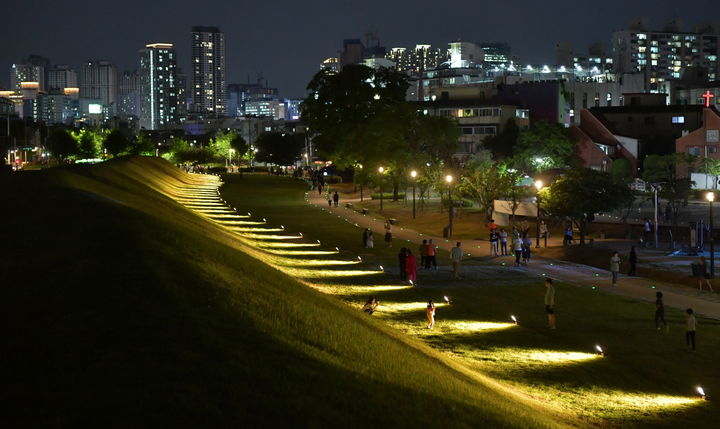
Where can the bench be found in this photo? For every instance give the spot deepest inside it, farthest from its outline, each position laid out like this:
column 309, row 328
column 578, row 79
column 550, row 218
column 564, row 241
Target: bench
column 393, row 221
column 348, row 205
column 365, row 211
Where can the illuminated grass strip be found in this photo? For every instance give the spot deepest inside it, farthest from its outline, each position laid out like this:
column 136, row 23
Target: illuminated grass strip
column 270, row 245
column 314, row 262
column 301, row 252
column 358, row 290
column 229, row 223
column 316, row 273
column 269, row 236
column 241, row 229
column 402, row 307
column 227, row 216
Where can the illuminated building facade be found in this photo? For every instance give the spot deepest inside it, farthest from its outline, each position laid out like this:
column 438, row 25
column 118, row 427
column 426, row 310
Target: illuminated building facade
column 158, row 86
column 61, row 76
column 422, row 57
column 26, row 72
column 208, row 70
column 662, row 55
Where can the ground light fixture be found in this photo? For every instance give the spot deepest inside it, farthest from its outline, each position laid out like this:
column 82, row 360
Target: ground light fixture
column 318, row 241
column 599, row 350
column 381, row 268
column 359, row 258
column 447, row 299
column 514, row 319
column 337, row 248
column 300, row 234
column 701, row 392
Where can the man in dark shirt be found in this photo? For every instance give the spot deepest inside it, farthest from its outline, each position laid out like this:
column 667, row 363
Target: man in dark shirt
column 633, row 262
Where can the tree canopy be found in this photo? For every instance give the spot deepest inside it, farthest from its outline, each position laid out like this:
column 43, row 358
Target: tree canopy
column 61, row 144
column 279, row 148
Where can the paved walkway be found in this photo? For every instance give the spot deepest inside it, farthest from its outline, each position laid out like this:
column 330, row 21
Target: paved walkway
column 703, row 303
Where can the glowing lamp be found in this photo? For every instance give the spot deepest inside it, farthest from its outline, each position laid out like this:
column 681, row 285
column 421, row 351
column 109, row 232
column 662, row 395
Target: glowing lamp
column 318, row 241
column 701, row 392
column 411, row 283
column 710, row 196
column 599, row 350
column 448, row 178
column 413, row 174
column 514, row 319
column 337, row 248
column 300, row 234
column 359, row 259
column 264, row 220
column 381, row 170
column 282, row 227
column 447, row 299
column 538, row 184
column 249, row 214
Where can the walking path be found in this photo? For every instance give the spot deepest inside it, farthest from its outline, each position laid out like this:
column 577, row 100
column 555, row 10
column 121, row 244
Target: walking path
column 703, row 303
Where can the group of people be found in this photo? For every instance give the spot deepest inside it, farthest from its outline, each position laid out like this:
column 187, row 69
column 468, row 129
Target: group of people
column 690, row 320
column 369, row 239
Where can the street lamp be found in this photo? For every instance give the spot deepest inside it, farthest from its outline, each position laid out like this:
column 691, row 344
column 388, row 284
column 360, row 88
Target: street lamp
column 711, row 197
column 538, row 186
column 381, row 170
column 449, row 180
column 413, row 174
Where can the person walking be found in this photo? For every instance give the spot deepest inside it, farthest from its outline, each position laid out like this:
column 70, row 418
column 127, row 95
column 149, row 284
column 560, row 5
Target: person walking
column 431, row 255
column 526, row 249
column 430, row 314
column 402, row 263
column 336, row 198
column 370, row 242
column 411, row 266
column 550, row 303
column 494, row 238
column 518, row 249
column 365, row 236
column 705, row 275
column 423, row 254
column 388, row 233
column 503, row 242
column 690, row 328
column 660, row 311
column 615, row 267
column 456, row 255
column 632, row 259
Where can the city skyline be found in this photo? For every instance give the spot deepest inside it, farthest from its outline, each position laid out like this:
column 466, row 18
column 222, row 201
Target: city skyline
column 285, row 43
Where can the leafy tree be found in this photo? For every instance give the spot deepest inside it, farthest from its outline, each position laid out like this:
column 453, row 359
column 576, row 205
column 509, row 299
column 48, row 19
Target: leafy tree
column 116, row 143
column 711, row 167
column 239, row 144
column 62, row 145
column 89, row 143
column 279, row 148
column 503, row 144
column 544, row 146
column 580, row 194
column 666, row 172
column 141, row 145
column 486, row 181
column 621, row 170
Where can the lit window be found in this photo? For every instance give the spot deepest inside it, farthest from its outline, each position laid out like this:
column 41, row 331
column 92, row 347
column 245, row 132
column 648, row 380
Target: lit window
column 678, row 119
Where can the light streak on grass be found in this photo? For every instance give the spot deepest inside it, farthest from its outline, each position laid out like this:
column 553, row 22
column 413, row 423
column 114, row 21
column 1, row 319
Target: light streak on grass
column 461, row 326
column 316, row 273
column 358, row 290
column 269, row 236
column 228, row 216
column 401, row 307
column 241, row 229
column 312, row 262
column 230, row 223
column 270, row 244
column 301, row 252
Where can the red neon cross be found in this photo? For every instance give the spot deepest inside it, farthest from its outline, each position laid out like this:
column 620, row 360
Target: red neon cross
column 707, row 96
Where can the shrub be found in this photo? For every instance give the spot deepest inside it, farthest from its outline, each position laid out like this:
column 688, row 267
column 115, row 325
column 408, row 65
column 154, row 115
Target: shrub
column 387, row 195
column 334, row 179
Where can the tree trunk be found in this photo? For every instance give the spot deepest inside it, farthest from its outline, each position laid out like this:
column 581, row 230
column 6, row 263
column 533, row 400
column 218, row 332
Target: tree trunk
column 581, row 227
column 395, row 191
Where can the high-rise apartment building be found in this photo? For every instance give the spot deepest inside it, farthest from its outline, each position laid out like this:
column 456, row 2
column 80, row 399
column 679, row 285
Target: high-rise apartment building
column 129, row 94
column 208, row 73
column 662, row 55
column 26, row 72
column 99, row 80
column 61, row 76
column 158, row 86
column 496, row 53
column 422, row 57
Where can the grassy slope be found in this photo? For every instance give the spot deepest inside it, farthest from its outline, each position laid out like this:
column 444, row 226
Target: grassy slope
column 626, row 389
column 121, row 308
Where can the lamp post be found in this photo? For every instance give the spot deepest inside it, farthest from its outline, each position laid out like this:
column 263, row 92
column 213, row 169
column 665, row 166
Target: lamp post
column 413, row 174
column 449, row 180
column 538, row 186
column 711, row 197
column 381, row 170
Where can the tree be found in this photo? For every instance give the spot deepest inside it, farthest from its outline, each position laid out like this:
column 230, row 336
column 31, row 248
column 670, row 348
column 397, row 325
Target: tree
column 664, row 171
column 486, row 181
column 279, row 148
column 239, row 145
column 503, row 144
column 141, row 145
column 543, row 147
column 89, row 142
column 711, row 167
column 621, row 170
column 580, row 194
column 341, row 107
column 115, row 143
column 61, row 144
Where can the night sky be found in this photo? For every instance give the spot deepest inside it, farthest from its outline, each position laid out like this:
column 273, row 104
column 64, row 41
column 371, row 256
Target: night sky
column 286, row 40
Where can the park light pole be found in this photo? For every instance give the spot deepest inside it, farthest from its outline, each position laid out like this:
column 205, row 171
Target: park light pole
column 538, row 186
column 449, row 180
column 381, row 170
column 413, row 174
column 711, row 197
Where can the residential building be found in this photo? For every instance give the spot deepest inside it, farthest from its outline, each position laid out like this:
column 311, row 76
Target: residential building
column 241, row 93
column 465, row 54
column 61, row 76
column 663, row 54
column 208, row 73
column 25, row 72
column 275, row 109
column 99, row 80
column 353, row 52
column 702, row 142
column 158, row 86
column 129, row 99
column 497, row 53
column 422, row 57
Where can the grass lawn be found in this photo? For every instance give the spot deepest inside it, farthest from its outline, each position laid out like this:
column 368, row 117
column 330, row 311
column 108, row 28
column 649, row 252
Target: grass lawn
column 646, row 379
column 122, row 308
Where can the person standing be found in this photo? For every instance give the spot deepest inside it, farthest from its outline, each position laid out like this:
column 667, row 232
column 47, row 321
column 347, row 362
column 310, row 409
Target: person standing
column 492, row 226
column 646, row 232
column 402, row 262
column 614, row 267
column 411, row 266
column 660, row 311
column 456, row 255
column 503, row 242
column 423, row 254
column 550, row 303
column 633, row 261
column 494, row 237
column 430, row 314
column 544, row 233
column 705, row 275
column 431, row 255
column 370, row 242
column 526, row 249
column 388, row 234
column 365, row 237
column 518, row 249
column 690, row 328
column 336, row 198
